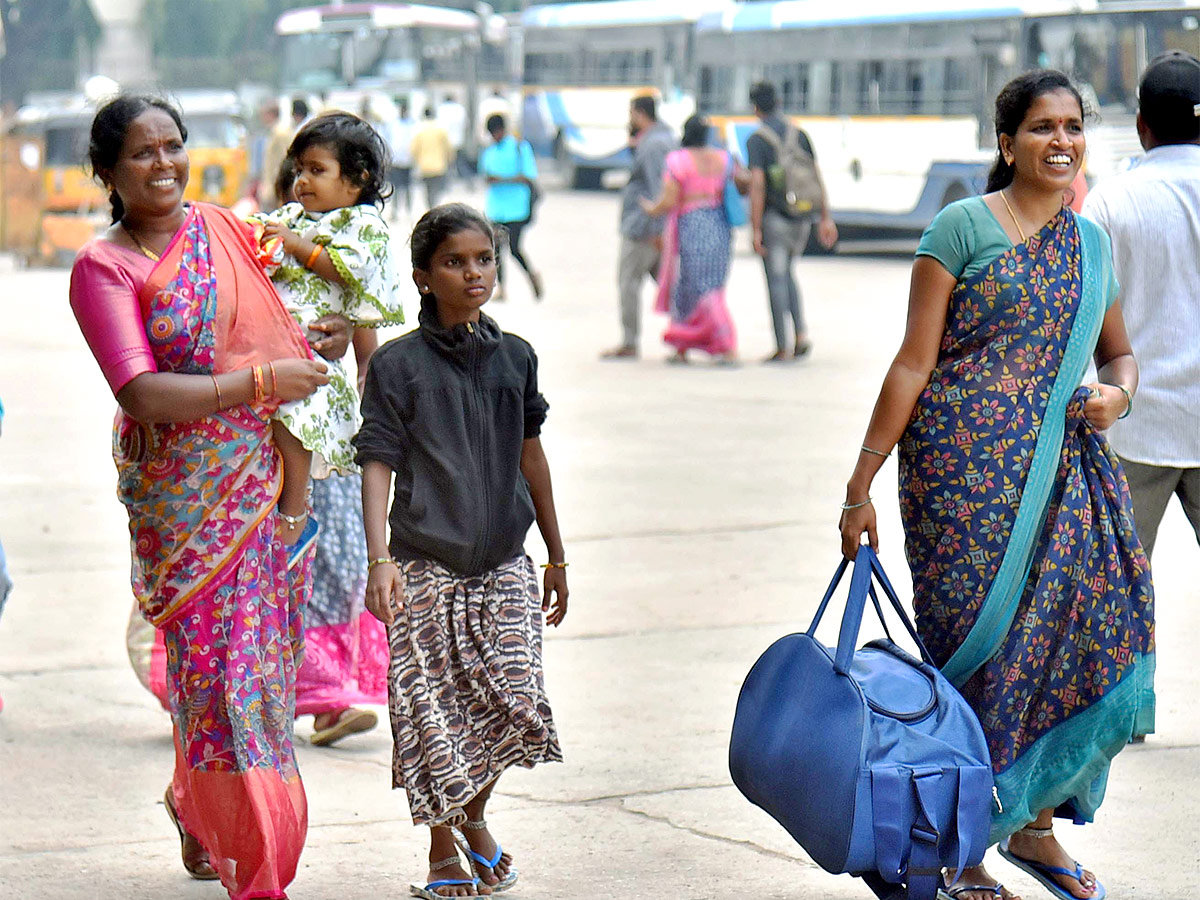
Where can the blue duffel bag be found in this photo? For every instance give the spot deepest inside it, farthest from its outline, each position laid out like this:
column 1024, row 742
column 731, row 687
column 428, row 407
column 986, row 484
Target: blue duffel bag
column 869, row 758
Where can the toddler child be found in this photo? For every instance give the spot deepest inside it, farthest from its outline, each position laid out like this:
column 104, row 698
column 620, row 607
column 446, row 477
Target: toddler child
column 329, row 253
column 453, row 410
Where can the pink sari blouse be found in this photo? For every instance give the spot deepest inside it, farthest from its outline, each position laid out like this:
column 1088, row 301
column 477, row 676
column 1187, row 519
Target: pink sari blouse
column 105, row 282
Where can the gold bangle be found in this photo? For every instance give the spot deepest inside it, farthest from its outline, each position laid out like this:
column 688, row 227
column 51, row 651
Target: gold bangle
column 274, row 380
column 552, row 565
column 866, row 449
column 260, row 384
column 378, row 562
column 312, row 257
column 217, row 387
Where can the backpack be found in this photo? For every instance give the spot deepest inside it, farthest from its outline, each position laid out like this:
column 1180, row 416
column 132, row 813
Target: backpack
column 870, row 758
column 794, row 174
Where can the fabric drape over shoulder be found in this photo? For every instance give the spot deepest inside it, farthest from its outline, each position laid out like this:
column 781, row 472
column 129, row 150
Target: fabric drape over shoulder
column 1030, row 587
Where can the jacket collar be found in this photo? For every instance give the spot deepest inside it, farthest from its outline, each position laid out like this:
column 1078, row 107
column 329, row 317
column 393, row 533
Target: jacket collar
column 457, row 343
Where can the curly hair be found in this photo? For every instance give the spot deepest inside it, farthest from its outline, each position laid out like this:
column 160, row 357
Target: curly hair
column 361, row 153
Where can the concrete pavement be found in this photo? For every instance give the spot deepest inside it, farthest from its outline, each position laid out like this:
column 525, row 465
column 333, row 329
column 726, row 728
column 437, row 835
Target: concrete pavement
column 698, row 506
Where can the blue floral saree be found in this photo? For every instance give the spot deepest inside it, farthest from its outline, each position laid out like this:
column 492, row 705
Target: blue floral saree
column 1031, row 589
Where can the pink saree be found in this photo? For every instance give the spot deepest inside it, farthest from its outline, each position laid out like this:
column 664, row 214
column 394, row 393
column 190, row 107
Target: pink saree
column 209, row 570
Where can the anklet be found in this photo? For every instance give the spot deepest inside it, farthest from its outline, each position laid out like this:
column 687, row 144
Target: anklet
column 292, row 520
column 1039, row 833
column 477, row 825
column 444, row 864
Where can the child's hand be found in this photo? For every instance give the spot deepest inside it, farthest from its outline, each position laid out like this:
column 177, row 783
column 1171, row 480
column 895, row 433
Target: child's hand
column 295, row 379
column 555, row 582
column 287, row 237
column 385, row 592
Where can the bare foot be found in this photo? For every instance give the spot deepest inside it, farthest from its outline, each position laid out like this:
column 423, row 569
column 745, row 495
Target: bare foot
column 481, row 841
column 978, row 876
column 1049, row 852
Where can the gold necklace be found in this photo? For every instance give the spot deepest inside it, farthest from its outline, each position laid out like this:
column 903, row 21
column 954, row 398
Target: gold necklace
column 1020, row 231
column 146, row 250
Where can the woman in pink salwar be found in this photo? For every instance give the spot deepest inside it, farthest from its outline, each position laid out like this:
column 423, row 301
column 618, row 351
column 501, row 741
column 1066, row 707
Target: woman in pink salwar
column 198, row 350
column 696, row 247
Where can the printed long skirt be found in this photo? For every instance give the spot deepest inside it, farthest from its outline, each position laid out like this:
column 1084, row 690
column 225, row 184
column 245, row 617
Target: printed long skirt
column 346, row 649
column 700, row 318
column 231, row 672
column 466, row 691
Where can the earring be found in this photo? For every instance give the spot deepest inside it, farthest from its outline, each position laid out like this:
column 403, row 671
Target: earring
column 424, row 289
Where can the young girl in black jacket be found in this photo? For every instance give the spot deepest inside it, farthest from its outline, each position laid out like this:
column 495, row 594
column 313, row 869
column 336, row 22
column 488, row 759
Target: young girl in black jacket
column 453, row 410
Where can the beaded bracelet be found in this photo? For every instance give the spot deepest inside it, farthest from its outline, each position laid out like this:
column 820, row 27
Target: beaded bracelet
column 549, row 565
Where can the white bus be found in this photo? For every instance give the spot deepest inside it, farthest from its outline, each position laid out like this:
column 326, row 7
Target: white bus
column 898, row 96
column 584, row 62
column 348, row 51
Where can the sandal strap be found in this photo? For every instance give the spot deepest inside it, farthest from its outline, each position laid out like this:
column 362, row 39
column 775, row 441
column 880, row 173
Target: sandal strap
column 445, row 863
column 1030, row 831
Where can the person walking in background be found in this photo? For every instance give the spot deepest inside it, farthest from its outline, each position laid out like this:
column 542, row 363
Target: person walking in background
column 337, row 259
column 511, row 173
column 276, row 152
column 641, row 234
column 400, row 133
column 455, row 586
column 432, row 155
column 185, row 326
column 1030, row 587
column 452, row 116
column 696, row 246
column 1152, row 213
column 779, row 153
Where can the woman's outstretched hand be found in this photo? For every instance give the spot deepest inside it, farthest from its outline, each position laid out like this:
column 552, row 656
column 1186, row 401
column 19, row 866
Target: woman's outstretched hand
column 385, row 592
column 852, row 524
column 295, row 378
column 555, row 583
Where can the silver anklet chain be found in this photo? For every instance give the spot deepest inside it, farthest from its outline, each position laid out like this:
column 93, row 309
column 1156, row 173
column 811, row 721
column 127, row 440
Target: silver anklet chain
column 477, row 825
column 1039, row 833
column 444, row 864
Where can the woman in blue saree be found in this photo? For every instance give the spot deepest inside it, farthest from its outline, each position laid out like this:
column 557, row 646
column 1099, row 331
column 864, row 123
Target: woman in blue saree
column 1031, row 589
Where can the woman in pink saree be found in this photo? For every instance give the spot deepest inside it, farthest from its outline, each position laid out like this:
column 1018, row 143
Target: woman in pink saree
column 198, row 349
column 696, row 247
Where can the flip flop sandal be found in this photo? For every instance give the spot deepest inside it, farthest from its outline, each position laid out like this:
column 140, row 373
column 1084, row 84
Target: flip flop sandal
column 349, row 721
column 954, row 893
column 200, row 867
column 1045, row 874
column 428, row 892
column 480, row 860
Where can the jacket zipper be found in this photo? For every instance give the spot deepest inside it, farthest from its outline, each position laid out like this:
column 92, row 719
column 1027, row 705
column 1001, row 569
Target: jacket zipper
column 481, row 540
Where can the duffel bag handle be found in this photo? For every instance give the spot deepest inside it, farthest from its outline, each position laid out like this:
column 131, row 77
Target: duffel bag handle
column 866, row 568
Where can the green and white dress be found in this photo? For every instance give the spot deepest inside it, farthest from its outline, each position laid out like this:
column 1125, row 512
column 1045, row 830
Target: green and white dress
column 358, row 243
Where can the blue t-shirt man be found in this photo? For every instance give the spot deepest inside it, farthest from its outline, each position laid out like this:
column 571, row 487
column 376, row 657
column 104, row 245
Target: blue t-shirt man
column 508, row 202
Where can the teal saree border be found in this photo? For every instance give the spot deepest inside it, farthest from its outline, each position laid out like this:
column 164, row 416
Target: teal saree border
column 1071, row 761
column 996, row 613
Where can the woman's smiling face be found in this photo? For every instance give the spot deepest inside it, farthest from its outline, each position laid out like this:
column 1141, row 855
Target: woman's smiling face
column 151, row 170
column 1049, row 145
column 461, row 275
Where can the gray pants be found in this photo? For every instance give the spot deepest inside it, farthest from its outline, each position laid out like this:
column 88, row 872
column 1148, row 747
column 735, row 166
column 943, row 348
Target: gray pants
column 784, row 240
column 1152, row 487
column 638, row 259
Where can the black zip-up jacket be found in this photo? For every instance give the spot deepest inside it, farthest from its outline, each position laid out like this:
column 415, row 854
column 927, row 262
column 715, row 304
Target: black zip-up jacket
column 447, row 411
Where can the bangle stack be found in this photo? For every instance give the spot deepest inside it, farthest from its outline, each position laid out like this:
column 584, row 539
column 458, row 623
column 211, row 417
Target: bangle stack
column 217, row 388
column 260, row 393
column 866, row 449
column 274, row 380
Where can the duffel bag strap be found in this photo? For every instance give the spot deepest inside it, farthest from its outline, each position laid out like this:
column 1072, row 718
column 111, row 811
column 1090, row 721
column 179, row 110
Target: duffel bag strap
column 924, row 875
column 906, row 832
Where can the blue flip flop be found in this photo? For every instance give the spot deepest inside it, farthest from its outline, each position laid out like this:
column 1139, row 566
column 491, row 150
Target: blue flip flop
column 428, row 892
column 1045, row 874
column 504, row 883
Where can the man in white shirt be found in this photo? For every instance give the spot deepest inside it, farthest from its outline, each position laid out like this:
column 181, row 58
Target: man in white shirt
column 400, row 138
column 1152, row 213
column 452, row 116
